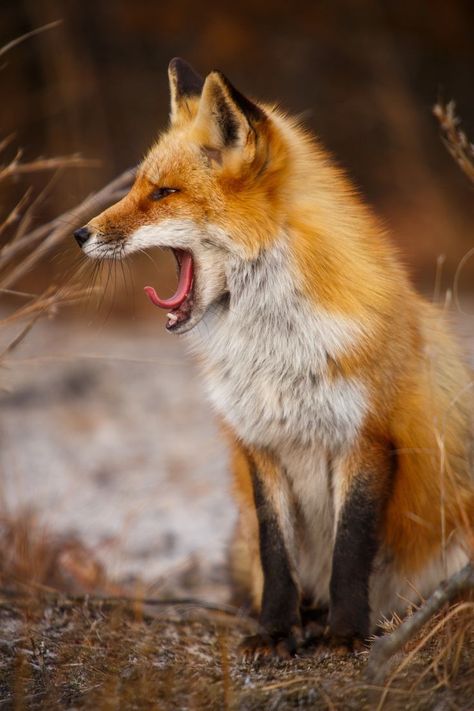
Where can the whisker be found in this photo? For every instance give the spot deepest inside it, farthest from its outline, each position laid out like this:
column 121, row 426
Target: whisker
column 122, row 269
column 106, row 265
column 113, row 267
column 134, row 287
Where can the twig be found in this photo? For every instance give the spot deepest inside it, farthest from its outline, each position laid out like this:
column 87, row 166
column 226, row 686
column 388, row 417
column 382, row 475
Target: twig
column 22, row 294
column 6, row 141
column 15, row 213
column 45, row 303
column 56, row 230
column 20, row 337
column 28, row 215
column 385, row 647
column 455, row 140
column 15, row 167
column 18, row 40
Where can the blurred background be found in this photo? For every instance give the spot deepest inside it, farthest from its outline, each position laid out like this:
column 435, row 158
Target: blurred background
column 105, row 430
column 363, row 74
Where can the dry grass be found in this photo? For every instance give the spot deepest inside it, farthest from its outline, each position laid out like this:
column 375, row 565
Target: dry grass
column 20, row 250
column 455, row 140
column 84, row 652
column 32, row 559
column 70, row 638
column 445, row 647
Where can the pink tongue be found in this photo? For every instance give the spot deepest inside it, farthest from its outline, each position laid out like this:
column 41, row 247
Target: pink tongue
column 186, row 273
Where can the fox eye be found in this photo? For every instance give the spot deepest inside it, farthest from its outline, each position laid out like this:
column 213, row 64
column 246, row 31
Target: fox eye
column 160, row 193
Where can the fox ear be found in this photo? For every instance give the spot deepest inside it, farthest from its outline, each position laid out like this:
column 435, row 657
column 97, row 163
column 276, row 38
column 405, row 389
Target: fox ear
column 185, row 84
column 226, row 119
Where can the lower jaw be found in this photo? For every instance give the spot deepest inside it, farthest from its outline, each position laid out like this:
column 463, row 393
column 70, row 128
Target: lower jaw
column 179, row 327
column 184, row 325
column 196, row 316
column 182, row 318
column 177, row 319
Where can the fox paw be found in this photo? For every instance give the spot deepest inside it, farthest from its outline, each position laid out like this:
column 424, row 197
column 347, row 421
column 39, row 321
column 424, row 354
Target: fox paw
column 343, row 646
column 265, row 646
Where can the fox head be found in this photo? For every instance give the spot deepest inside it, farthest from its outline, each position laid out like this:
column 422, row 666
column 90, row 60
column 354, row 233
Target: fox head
column 208, row 190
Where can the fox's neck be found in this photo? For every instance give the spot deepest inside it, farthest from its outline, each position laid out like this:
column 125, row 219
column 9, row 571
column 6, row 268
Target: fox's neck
column 266, row 357
column 269, row 311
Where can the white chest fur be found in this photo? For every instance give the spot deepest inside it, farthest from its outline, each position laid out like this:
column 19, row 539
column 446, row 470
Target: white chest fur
column 266, row 361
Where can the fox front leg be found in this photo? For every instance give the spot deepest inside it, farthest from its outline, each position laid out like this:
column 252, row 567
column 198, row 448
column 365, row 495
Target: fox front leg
column 279, row 615
column 356, row 545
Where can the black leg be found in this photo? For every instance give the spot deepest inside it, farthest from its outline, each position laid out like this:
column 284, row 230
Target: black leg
column 354, row 552
column 279, row 616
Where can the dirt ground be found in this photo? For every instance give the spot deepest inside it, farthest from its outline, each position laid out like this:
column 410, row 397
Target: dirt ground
column 80, row 653
column 110, row 454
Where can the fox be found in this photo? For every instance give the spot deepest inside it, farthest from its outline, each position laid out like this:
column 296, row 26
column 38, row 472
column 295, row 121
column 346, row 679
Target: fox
column 343, row 393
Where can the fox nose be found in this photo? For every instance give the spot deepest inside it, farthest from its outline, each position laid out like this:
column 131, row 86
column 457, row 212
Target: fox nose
column 82, row 235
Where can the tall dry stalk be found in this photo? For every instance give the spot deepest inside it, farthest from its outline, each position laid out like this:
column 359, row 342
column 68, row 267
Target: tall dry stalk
column 454, row 138
column 22, row 248
column 29, row 554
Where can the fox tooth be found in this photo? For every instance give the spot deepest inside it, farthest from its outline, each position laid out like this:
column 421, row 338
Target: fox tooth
column 172, row 317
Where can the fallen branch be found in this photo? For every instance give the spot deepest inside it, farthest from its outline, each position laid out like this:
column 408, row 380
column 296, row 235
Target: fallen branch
column 13, row 597
column 385, row 647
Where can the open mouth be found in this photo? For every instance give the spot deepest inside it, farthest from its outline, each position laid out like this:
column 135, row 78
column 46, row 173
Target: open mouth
column 179, row 306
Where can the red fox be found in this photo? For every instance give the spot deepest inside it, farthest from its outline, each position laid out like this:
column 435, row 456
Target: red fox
column 344, row 393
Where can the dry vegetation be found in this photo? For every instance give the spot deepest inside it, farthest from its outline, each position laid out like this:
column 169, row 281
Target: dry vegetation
column 63, row 651
column 71, row 638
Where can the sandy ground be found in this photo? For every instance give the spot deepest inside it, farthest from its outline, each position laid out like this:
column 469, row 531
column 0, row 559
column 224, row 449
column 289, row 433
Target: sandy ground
column 106, row 433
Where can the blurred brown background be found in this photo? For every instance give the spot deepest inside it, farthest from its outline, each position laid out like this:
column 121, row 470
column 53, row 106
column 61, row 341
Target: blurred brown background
column 363, row 74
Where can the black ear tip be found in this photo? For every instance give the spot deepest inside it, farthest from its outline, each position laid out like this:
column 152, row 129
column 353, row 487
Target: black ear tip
column 221, row 77
column 188, row 81
column 176, row 63
column 251, row 110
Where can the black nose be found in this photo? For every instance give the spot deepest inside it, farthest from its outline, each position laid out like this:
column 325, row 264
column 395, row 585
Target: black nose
column 82, row 235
